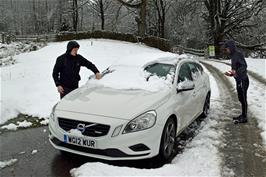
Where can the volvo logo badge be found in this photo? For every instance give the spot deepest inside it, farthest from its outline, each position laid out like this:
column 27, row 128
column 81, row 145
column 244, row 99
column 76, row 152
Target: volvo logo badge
column 82, row 127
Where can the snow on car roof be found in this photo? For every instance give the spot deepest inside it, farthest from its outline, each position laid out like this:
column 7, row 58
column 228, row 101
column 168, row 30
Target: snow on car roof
column 168, row 60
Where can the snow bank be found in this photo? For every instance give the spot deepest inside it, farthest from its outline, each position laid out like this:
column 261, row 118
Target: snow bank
column 11, row 126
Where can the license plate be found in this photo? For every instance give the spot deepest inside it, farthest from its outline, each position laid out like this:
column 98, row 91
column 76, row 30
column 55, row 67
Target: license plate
column 80, row 141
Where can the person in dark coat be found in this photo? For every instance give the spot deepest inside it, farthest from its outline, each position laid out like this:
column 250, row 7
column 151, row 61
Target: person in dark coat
column 239, row 72
column 66, row 69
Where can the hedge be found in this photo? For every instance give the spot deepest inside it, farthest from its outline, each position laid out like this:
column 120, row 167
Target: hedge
column 151, row 41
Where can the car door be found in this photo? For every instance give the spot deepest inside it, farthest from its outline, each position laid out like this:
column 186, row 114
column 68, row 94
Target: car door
column 204, row 85
column 198, row 90
column 185, row 100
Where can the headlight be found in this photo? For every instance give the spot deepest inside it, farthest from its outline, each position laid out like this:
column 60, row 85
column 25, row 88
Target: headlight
column 142, row 122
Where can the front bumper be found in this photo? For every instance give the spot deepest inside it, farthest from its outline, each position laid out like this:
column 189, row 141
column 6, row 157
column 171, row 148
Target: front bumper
column 138, row 145
column 111, row 152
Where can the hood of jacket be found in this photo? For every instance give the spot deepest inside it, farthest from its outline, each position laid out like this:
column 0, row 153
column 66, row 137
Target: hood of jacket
column 231, row 45
column 71, row 45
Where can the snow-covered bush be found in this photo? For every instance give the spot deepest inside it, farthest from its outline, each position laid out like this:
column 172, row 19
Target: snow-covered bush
column 7, row 51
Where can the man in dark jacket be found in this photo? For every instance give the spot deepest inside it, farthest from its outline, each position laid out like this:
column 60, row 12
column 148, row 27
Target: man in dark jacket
column 66, row 69
column 239, row 72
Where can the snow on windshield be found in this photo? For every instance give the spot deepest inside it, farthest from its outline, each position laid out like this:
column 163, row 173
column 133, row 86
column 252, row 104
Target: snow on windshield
column 130, row 77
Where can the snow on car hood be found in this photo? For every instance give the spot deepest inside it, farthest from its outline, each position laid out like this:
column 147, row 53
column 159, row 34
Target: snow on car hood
column 103, row 101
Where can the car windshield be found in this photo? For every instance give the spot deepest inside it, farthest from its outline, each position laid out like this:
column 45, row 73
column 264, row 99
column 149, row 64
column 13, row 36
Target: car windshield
column 160, row 69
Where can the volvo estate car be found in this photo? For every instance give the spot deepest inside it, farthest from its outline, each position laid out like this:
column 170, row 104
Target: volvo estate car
column 127, row 124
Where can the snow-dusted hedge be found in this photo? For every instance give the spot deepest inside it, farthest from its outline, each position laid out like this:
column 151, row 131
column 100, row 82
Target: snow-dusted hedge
column 160, row 43
column 96, row 34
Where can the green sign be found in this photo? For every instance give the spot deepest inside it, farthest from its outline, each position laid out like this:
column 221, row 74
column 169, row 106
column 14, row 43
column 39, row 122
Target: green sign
column 211, row 50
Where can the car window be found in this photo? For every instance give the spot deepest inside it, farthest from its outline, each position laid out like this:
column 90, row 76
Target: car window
column 199, row 67
column 184, row 73
column 160, row 69
column 195, row 72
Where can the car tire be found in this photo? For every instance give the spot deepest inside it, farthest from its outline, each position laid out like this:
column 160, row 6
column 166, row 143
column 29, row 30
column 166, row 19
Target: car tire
column 206, row 107
column 167, row 141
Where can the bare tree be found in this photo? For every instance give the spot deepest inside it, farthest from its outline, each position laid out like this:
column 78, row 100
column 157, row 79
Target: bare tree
column 161, row 7
column 226, row 17
column 75, row 15
column 101, row 6
column 141, row 20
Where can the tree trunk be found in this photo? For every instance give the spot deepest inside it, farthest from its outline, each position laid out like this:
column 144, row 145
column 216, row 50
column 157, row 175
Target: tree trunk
column 75, row 15
column 142, row 14
column 102, row 14
column 141, row 20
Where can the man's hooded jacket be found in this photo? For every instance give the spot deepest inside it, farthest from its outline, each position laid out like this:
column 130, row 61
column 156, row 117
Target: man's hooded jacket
column 67, row 67
column 238, row 62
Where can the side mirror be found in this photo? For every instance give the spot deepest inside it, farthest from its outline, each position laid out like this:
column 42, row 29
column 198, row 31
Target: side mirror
column 185, row 86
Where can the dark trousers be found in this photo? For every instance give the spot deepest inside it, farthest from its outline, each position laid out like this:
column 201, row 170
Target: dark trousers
column 66, row 91
column 242, row 87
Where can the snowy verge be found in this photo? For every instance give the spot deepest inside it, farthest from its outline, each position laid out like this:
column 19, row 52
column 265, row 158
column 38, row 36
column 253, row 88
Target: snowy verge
column 12, row 126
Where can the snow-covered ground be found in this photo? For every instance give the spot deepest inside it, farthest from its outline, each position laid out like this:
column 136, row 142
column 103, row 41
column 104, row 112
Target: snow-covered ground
column 256, row 93
column 257, row 66
column 7, row 51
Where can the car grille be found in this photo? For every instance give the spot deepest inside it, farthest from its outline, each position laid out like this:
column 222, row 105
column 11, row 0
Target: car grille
column 93, row 131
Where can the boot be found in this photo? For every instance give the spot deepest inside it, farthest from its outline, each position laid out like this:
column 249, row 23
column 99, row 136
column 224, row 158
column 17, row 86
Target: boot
column 238, row 117
column 241, row 120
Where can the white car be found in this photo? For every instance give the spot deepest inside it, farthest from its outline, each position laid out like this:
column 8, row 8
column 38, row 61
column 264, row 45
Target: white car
column 127, row 124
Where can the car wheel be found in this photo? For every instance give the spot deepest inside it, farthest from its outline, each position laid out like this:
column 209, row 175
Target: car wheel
column 206, row 107
column 168, row 140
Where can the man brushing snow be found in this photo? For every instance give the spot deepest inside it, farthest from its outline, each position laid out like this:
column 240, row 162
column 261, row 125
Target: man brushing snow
column 66, row 69
column 239, row 72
